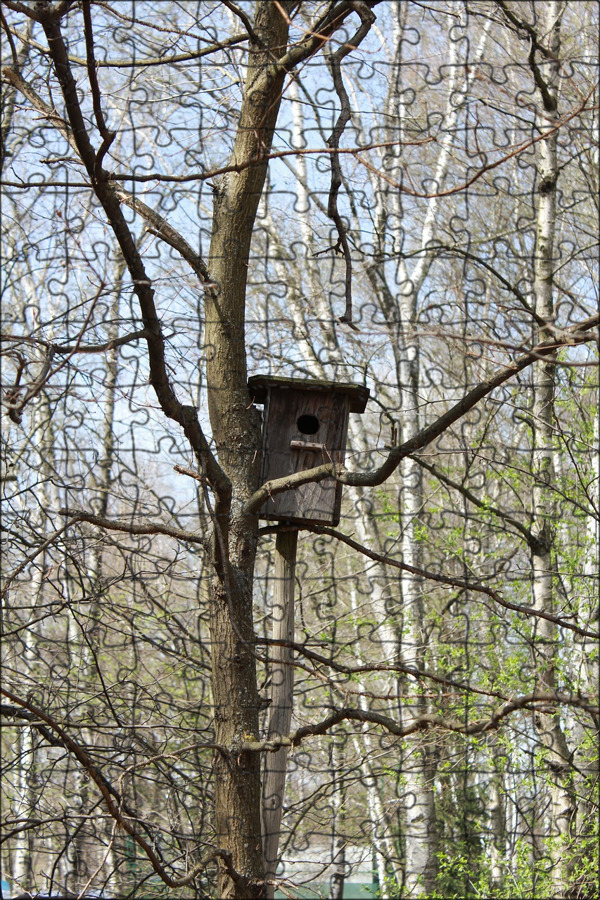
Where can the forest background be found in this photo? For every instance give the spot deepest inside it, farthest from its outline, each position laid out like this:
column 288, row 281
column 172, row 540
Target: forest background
column 402, row 196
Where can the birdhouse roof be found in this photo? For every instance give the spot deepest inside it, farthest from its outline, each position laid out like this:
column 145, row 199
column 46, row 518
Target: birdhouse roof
column 357, row 394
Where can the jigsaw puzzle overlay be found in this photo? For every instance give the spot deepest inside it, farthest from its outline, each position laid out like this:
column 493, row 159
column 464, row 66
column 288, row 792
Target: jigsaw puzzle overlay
column 300, row 413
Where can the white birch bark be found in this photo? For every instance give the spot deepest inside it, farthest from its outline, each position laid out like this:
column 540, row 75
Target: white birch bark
column 544, row 507
column 25, row 801
column 368, row 747
column 82, row 863
column 31, row 760
column 401, row 314
column 338, row 803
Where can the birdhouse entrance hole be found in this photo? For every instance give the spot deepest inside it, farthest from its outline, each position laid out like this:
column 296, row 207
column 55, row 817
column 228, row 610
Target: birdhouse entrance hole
column 308, row 424
column 294, row 411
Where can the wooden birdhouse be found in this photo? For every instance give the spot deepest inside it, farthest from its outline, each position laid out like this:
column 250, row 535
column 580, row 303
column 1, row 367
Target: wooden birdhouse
column 305, row 424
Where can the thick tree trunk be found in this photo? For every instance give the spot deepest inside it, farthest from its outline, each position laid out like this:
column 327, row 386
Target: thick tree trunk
column 235, row 425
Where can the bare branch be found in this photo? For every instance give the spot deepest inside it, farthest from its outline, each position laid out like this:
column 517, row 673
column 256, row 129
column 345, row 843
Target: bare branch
column 76, row 134
column 557, row 125
column 110, row 795
column 367, row 18
column 429, row 720
column 576, row 334
column 106, row 135
column 59, row 349
column 418, row 674
column 8, row 105
column 505, row 282
column 470, row 496
column 142, row 63
column 320, row 33
column 522, row 25
column 190, row 472
column 244, row 20
column 161, row 228
column 451, row 582
column 222, row 170
column 23, row 565
column 15, row 407
column 77, row 515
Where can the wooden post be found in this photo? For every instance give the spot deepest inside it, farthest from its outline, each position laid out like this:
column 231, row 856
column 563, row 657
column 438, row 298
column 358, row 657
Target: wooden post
column 282, row 695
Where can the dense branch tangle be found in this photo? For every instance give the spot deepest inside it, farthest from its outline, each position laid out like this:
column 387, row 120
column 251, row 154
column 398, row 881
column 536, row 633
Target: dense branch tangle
column 176, row 177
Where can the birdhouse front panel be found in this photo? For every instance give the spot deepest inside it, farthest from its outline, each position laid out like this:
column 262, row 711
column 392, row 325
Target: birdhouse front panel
column 304, row 429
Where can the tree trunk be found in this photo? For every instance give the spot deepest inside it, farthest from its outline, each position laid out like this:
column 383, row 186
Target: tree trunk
column 282, row 697
column 235, row 425
column 367, row 746
column 91, row 644
column 337, row 761
column 25, row 801
column 31, row 760
column 544, row 509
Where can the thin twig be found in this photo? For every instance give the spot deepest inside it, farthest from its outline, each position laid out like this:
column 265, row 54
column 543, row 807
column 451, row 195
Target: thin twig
column 367, row 18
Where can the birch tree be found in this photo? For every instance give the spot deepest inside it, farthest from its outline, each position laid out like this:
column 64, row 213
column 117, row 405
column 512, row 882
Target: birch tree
column 289, row 187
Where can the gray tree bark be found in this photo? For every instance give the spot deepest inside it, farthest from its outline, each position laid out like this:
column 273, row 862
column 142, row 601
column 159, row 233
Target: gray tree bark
column 236, row 432
column 546, row 644
column 282, row 700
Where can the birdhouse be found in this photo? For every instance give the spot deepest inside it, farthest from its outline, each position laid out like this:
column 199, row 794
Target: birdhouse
column 305, row 424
